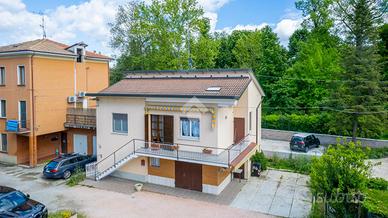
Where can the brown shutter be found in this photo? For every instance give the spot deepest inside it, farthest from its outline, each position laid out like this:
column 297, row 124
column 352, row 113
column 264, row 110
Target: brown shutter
column 146, row 128
column 168, row 129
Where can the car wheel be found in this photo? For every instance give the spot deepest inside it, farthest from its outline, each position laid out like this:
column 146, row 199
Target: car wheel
column 66, row 174
column 306, row 149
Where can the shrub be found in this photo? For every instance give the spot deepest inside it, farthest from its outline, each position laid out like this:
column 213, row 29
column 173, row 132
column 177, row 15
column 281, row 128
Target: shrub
column 375, row 202
column 260, row 158
column 65, row 214
column 376, row 153
column 77, row 177
column 378, row 184
column 298, row 164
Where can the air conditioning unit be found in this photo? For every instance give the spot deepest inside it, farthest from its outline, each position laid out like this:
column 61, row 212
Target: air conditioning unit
column 71, row 99
column 81, row 94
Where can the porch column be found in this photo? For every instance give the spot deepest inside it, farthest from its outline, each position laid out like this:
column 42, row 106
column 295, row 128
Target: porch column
column 33, row 150
column 149, row 127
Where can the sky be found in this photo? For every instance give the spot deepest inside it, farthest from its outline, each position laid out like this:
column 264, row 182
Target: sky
column 71, row 21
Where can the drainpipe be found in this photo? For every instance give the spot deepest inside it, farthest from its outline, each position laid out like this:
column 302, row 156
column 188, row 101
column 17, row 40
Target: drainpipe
column 32, row 142
column 257, row 120
column 75, row 81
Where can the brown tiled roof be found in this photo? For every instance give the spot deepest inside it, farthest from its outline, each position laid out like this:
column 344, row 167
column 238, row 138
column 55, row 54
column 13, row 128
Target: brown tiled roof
column 181, row 84
column 47, row 46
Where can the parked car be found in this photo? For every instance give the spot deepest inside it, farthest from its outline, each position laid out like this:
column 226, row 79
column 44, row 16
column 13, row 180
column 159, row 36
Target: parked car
column 65, row 165
column 14, row 203
column 303, row 142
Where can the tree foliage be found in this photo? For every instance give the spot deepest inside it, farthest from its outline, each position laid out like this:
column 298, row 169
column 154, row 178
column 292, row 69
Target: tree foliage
column 341, row 171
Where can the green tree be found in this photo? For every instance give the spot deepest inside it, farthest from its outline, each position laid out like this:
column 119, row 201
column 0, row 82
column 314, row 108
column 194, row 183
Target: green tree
column 227, row 42
column 261, row 51
column 294, row 43
column 158, row 35
column 360, row 98
column 341, row 171
column 205, row 49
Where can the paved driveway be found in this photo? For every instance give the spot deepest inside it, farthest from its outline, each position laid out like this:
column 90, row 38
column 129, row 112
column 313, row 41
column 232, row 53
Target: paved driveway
column 102, row 203
column 282, row 149
column 277, row 193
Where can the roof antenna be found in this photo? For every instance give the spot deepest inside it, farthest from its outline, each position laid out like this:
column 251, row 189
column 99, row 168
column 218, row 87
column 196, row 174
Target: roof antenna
column 43, row 26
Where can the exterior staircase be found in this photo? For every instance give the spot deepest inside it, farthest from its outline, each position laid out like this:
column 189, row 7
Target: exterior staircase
column 97, row 170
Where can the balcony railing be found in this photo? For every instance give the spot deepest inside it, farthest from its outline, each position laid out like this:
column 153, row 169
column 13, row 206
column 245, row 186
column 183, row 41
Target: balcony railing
column 222, row 157
column 83, row 118
column 17, row 126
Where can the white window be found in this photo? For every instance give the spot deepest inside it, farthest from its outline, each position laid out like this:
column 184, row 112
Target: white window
column 2, row 76
column 21, row 75
column 4, row 143
column 155, row 162
column 3, row 108
column 120, row 123
column 190, row 127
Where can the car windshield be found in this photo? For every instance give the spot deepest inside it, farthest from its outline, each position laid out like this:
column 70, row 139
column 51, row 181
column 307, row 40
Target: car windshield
column 12, row 200
column 297, row 139
column 52, row 164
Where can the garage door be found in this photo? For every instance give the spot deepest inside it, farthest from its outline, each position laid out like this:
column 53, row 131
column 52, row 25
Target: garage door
column 188, row 176
column 80, row 144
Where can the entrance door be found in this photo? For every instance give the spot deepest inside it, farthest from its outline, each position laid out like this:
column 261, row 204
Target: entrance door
column 63, row 142
column 239, row 129
column 80, row 144
column 162, row 129
column 23, row 114
column 94, row 145
column 188, row 176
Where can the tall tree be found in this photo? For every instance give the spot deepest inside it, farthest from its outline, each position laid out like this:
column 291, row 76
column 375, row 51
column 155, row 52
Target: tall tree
column 261, row 51
column 159, row 34
column 227, row 42
column 360, row 97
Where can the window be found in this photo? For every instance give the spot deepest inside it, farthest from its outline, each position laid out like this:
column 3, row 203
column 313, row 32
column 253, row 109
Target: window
column 155, row 162
column 21, row 76
column 250, row 120
column 2, row 76
column 4, row 143
column 79, row 55
column 3, row 108
column 120, row 123
column 190, row 127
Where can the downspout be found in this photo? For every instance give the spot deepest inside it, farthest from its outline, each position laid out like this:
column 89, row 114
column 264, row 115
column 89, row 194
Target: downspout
column 33, row 109
column 75, row 81
column 257, row 120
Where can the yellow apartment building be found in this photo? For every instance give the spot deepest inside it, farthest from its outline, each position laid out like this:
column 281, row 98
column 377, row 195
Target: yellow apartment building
column 43, row 107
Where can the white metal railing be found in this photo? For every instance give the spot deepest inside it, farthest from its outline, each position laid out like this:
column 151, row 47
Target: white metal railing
column 191, row 153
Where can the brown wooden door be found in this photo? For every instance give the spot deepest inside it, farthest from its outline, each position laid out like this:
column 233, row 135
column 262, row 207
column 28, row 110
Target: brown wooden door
column 188, row 176
column 239, row 129
column 168, row 129
column 146, row 128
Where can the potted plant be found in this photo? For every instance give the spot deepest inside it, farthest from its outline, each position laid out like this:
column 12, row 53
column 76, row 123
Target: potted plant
column 138, row 186
column 207, row 151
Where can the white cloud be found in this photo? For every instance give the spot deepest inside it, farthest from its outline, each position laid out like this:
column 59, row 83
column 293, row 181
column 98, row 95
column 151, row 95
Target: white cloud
column 251, row 27
column 285, row 28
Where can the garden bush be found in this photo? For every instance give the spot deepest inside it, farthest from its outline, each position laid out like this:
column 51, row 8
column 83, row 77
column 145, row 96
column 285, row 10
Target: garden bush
column 260, row 158
column 77, row 177
column 378, row 184
column 298, row 164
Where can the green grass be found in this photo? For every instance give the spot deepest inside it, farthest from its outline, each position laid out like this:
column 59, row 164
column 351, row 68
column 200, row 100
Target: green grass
column 65, row 214
column 376, row 153
column 77, row 177
column 299, row 165
column 317, row 210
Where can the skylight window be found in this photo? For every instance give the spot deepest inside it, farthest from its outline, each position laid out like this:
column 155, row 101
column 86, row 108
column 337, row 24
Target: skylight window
column 213, row 89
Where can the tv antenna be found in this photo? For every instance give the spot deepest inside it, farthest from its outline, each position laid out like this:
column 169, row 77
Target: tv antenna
column 43, row 26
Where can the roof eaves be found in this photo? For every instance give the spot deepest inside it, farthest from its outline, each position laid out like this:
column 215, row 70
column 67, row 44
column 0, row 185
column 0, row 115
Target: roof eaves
column 30, row 52
column 101, row 94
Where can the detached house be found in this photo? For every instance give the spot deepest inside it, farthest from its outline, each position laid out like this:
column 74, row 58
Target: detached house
column 43, row 107
column 189, row 129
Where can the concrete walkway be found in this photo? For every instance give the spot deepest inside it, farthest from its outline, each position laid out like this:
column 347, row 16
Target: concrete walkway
column 380, row 170
column 277, row 193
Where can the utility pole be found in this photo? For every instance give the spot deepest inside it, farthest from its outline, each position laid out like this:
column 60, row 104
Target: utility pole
column 43, row 26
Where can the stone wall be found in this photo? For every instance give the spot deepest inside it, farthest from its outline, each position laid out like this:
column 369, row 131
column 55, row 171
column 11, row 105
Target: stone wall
column 324, row 138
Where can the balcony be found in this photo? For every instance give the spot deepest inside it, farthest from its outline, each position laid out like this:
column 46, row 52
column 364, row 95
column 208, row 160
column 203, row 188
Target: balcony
column 82, row 118
column 17, row 126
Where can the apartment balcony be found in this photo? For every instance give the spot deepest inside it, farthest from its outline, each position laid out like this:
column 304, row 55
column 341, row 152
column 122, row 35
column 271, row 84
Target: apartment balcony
column 82, row 118
column 20, row 127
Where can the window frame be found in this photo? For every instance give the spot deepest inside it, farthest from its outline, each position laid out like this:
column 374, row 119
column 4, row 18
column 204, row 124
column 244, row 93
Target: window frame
column 19, row 82
column 4, row 147
column 1, row 108
column 2, row 76
column 113, row 124
column 155, row 162
column 190, row 137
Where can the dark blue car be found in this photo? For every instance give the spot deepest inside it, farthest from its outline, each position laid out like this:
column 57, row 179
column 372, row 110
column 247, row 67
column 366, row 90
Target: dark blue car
column 15, row 203
column 65, row 165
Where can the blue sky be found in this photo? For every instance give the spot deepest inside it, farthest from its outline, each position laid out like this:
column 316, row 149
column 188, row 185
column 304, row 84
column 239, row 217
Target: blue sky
column 70, row 21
